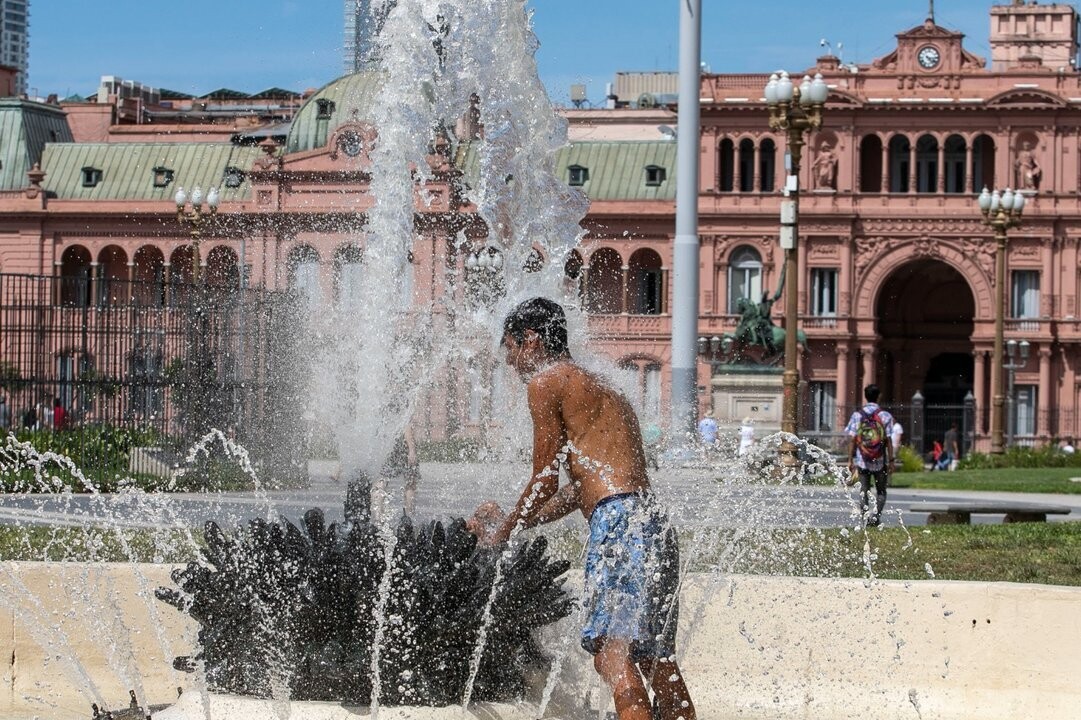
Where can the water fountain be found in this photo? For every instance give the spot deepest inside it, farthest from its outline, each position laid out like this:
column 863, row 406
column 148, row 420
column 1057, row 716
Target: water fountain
column 87, row 632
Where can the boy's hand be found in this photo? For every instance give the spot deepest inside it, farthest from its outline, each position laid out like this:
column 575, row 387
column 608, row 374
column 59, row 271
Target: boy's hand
column 485, row 523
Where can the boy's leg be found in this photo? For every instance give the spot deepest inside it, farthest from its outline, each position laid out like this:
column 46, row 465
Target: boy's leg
column 881, row 480
column 666, row 680
column 613, row 663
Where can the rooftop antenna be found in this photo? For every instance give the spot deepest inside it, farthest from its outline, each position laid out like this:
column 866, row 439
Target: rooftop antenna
column 931, row 10
column 840, row 54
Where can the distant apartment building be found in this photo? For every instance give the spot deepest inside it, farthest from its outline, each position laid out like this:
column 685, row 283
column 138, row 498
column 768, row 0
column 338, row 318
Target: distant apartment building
column 15, row 39
column 363, row 21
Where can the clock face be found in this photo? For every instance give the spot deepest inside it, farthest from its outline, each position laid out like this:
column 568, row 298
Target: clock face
column 928, row 57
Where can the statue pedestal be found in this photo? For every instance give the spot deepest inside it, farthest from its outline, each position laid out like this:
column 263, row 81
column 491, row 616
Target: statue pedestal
column 753, row 391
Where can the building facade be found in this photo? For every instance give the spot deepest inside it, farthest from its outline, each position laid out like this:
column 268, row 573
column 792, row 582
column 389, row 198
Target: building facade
column 896, row 268
column 15, row 39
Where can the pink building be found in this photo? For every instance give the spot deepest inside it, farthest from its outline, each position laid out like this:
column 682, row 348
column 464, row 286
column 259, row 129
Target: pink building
column 896, row 266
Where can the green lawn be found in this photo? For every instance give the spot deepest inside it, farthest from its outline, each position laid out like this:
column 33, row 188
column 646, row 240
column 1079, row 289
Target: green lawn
column 1033, row 480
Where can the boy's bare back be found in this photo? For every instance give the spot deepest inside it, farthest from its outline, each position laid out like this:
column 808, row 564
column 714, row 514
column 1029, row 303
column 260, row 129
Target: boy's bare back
column 573, row 409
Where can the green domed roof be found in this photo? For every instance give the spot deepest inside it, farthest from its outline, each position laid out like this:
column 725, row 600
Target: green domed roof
column 348, row 98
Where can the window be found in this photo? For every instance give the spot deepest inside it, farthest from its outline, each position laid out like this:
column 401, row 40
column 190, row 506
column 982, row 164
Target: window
column 324, row 109
column 162, row 177
column 91, row 176
column 824, row 292
column 744, row 277
column 578, row 175
column 233, row 177
column 655, row 175
column 1025, row 295
column 1024, row 418
column 823, row 406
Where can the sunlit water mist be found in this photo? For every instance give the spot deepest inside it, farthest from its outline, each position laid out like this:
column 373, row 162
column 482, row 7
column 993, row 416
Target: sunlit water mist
column 374, row 355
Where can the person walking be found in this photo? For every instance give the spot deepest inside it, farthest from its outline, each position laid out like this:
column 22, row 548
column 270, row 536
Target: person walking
column 897, row 434
column 746, row 436
column 951, row 451
column 707, row 429
column 870, row 453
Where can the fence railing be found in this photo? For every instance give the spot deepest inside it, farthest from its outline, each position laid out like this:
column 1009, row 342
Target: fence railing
column 165, row 365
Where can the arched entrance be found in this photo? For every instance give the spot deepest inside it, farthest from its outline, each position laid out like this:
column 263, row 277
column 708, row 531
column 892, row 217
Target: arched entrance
column 925, row 312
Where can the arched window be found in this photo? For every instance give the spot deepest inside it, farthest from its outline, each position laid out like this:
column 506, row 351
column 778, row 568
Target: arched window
column 149, row 276
column 605, row 282
column 746, row 165
column 726, row 165
column 983, row 162
column 744, row 277
column 181, row 262
column 645, row 283
column 955, row 164
column 871, row 164
column 348, row 272
column 223, row 269
column 572, row 276
column 927, row 164
column 767, row 166
column 900, row 157
column 304, row 273
column 75, row 276
column 113, row 287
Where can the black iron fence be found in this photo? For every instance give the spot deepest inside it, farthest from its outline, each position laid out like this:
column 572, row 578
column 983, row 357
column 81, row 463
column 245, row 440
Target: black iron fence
column 164, row 364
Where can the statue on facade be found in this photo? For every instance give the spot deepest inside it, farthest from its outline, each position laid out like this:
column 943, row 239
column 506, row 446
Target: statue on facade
column 1028, row 168
column 825, row 168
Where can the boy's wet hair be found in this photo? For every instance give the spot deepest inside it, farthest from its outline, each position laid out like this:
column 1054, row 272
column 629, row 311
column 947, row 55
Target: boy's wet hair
column 542, row 316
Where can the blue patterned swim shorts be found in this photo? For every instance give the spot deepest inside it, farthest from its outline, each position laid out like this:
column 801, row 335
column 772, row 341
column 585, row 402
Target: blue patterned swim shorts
column 632, row 577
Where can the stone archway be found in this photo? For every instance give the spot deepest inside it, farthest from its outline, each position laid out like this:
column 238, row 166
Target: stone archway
column 925, row 317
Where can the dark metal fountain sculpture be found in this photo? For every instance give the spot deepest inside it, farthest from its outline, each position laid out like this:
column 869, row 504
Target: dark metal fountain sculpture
column 297, row 609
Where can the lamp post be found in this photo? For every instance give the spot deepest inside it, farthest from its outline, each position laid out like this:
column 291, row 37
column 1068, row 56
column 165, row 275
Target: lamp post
column 1001, row 211
column 793, row 111
column 195, row 217
column 1017, row 354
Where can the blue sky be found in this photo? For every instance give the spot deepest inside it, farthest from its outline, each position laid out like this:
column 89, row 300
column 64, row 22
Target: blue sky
column 200, row 45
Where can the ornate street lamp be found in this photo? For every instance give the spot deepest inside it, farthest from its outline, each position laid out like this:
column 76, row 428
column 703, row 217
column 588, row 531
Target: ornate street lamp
column 793, row 111
column 1001, row 211
column 195, row 218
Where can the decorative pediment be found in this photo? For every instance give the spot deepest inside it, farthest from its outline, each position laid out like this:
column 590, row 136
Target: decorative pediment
column 929, row 49
column 1026, row 98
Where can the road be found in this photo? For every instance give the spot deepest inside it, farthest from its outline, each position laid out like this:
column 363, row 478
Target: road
column 696, row 496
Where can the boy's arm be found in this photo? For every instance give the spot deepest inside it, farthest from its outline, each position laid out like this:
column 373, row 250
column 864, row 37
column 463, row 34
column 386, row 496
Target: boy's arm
column 564, row 502
column 549, row 437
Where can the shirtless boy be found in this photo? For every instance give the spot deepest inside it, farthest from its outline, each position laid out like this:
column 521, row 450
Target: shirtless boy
column 632, row 564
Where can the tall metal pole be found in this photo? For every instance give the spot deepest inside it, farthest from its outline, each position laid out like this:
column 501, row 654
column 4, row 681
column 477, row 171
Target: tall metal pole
column 686, row 249
column 790, row 378
column 997, row 399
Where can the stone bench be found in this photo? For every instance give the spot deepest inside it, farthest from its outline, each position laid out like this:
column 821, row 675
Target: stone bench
column 960, row 513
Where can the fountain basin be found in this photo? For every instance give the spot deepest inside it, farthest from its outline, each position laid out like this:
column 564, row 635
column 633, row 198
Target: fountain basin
column 752, row 647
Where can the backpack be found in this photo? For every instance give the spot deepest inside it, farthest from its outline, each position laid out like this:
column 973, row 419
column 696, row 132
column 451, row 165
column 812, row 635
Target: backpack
column 870, row 436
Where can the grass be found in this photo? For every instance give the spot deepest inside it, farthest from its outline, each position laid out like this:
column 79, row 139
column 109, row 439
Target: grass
column 1029, row 480
column 67, row 544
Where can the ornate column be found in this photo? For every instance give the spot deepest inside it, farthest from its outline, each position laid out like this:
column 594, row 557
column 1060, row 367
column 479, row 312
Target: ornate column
column 58, row 280
column 885, row 167
column 1049, row 396
column 912, row 176
column 755, row 165
column 167, row 278
column 978, row 379
column 842, row 351
column 94, row 267
column 1048, row 284
column 585, row 288
column 624, row 300
column 868, row 352
column 940, row 180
